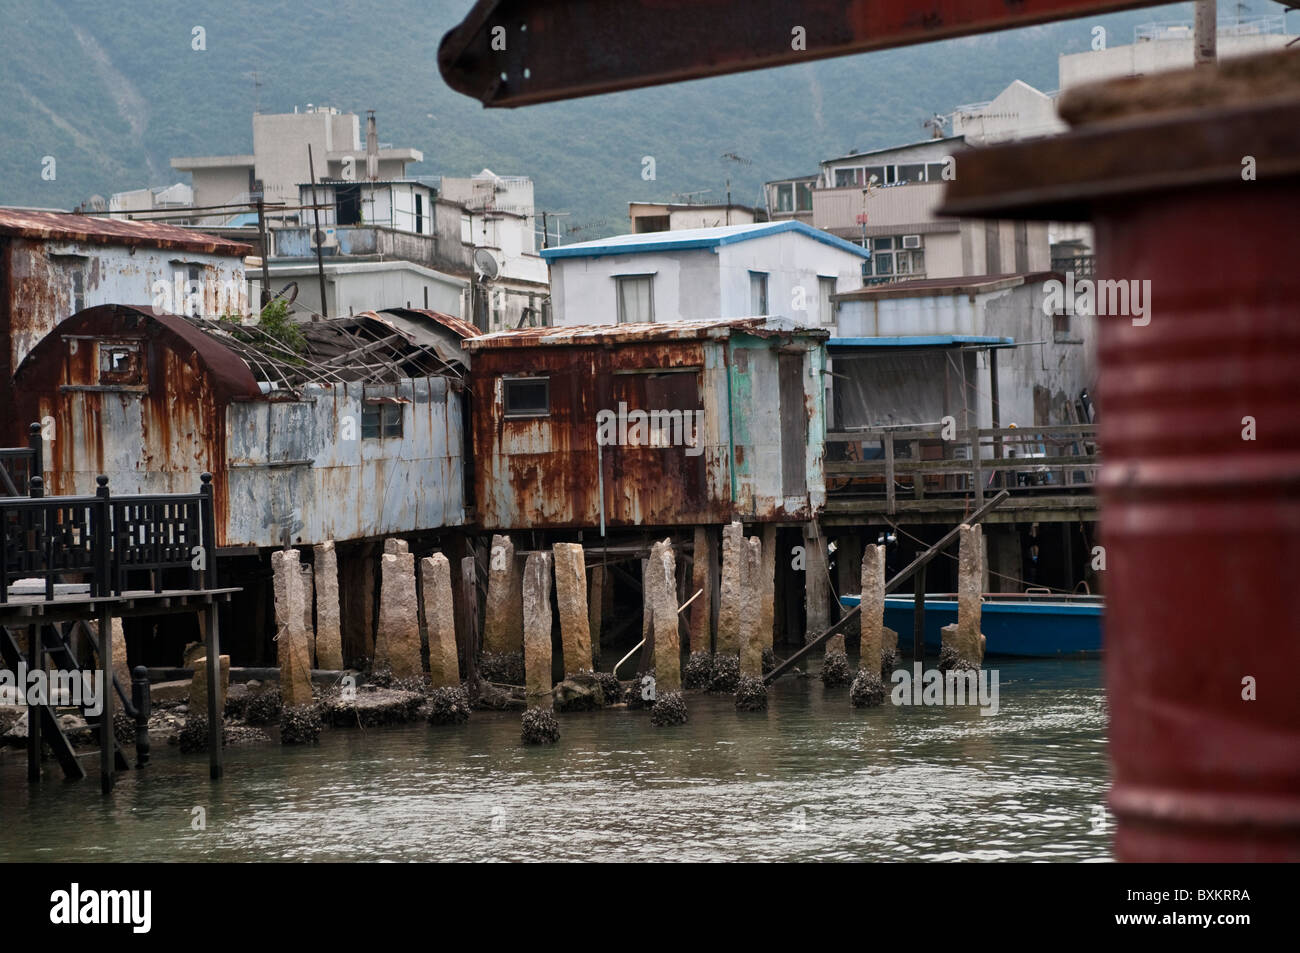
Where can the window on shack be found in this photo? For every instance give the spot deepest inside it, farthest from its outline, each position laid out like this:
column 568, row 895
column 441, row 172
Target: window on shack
column 120, row 363
column 380, row 420
column 527, row 396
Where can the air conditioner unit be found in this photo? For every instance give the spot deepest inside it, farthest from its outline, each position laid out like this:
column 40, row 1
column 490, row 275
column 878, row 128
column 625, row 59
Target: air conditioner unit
column 911, row 241
column 326, row 238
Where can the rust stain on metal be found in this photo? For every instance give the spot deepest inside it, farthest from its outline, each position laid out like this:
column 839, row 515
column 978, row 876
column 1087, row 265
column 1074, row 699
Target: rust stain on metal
column 60, row 226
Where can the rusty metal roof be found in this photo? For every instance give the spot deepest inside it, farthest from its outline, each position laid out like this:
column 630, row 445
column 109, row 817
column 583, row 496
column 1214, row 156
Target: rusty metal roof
column 448, row 321
column 61, row 226
column 608, row 334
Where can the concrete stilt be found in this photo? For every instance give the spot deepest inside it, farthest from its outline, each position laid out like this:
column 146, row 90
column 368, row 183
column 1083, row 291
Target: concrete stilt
column 397, row 642
column 872, row 616
column 663, row 595
column 440, row 621
column 199, row 685
column 536, row 605
column 571, row 599
column 751, row 639
column 503, row 622
column 733, row 594
column 329, row 622
column 291, row 637
column 962, row 643
column 868, row 688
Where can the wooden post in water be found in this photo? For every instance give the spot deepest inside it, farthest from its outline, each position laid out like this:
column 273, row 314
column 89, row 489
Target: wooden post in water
column 469, row 622
column 36, row 660
column 918, row 615
column 106, row 689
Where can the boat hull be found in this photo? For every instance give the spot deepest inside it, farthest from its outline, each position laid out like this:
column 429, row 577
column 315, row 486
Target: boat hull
column 1017, row 629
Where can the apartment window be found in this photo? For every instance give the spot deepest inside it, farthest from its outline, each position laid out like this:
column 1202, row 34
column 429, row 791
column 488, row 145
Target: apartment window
column 845, row 177
column 785, row 197
column 380, row 420
column 526, row 396
column 876, row 171
column 757, row 293
column 636, row 300
column 419, row 214
column 911, row 173
column 803, row 196
column 825, row 307
column 934, row 171
column 78, row 290
column 652, row 223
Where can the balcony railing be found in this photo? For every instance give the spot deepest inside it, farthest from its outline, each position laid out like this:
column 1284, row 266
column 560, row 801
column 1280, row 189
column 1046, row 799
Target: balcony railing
column 882, row 461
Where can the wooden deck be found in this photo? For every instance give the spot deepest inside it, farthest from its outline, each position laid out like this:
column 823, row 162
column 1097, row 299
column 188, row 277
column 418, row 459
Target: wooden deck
column 914, row 475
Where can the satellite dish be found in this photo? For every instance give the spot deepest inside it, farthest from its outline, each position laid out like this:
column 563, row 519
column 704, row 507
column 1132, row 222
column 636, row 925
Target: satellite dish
column 486, row 264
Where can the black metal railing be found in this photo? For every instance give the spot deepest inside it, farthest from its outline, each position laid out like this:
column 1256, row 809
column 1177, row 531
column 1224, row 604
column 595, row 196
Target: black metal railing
column 107, row 540
column 19, row 464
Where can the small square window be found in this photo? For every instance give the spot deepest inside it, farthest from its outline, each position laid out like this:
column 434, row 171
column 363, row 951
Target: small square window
column 119, row 363
column 527, row 396
column 381, row 420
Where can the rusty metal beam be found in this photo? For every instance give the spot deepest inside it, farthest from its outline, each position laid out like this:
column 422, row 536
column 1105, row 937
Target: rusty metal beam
column 519, row 52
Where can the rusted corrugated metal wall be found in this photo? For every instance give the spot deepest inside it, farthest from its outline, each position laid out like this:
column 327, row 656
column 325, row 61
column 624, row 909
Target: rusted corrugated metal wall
column 296, row 468
column 547, row 471
column 304, row 471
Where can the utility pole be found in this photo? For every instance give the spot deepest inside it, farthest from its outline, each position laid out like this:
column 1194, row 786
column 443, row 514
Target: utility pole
column 266, row 252
column 317, row 238
column 1205, row 44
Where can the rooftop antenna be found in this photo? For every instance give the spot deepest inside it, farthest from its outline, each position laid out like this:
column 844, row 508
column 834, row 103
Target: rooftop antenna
column 739, row 160
column 546, row 233
column 257, row 90
column 687, row 195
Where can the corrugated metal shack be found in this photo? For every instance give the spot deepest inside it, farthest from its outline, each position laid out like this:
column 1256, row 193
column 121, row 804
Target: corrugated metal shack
column 746, row 394
column 53, row 265
column 352, row 434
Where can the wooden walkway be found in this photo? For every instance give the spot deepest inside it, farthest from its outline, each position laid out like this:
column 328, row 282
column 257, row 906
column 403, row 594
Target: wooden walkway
column 914, row 475
column 71, row 560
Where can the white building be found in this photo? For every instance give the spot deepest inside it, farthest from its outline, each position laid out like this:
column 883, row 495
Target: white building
column 278, row 162
column 673, row 216
column 405, row 205
column 777, row 269
column 1018, row 112
column 498, row 225
column 1158, row 47
column 352, row 287
column 174, row 196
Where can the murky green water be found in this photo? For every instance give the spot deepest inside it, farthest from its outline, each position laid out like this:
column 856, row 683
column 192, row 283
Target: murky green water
column 811, row 779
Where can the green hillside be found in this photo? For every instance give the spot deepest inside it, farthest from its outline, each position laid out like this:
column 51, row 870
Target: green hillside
column 112, row 91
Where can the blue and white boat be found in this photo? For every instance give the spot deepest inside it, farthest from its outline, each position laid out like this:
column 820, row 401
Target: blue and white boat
column 1028, row 625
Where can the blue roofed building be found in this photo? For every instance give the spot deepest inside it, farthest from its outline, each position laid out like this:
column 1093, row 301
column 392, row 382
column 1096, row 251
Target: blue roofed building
column 767, row 269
